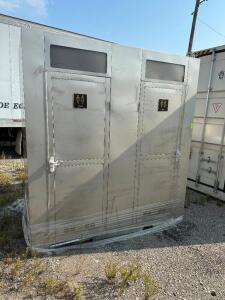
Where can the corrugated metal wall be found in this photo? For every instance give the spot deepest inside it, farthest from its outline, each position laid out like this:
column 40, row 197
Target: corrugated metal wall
column 207, row 168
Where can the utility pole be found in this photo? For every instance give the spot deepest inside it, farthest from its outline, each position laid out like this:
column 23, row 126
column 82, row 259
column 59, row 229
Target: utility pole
column 195, row 14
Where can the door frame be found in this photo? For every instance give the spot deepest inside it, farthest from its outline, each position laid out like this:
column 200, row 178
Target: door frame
column 50, row 146
column 170, row 85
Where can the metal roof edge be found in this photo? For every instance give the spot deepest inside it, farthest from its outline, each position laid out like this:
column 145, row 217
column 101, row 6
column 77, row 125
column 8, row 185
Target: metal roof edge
column 23, row 22
column 208, row 51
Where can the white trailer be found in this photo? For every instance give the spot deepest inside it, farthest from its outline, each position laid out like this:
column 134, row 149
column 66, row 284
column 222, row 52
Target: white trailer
column 11, row 93
column 207, row 166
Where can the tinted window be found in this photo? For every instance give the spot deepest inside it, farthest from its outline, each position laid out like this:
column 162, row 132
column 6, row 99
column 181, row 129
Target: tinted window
column 78, row 59
column 164, row 71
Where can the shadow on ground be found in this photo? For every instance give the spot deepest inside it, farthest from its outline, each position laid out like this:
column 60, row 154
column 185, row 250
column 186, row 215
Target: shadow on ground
column 204, row 223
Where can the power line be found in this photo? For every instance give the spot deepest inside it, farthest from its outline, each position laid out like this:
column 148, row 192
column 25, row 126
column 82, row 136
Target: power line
column 210, row 27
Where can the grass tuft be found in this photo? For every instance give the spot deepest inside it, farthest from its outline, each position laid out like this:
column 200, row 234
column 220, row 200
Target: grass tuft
column 16, row 266
column 20, row 174
column 5, row 178
column 30, row 253
column 53, row 286
column 77, row 292
column 111, row 270
column 151, row 288
column 131, row 274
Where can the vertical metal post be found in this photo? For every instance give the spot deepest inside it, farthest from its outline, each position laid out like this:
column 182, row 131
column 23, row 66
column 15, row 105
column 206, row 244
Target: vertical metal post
column 195, row 14
column 205, row 118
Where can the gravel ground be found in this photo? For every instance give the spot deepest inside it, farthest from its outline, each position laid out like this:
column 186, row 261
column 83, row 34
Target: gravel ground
column 188, row 262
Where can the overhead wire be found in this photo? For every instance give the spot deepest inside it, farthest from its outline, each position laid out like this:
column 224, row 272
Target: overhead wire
column 210, row 27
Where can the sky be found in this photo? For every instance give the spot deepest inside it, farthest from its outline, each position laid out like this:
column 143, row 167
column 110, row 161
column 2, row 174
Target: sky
column 161, row 25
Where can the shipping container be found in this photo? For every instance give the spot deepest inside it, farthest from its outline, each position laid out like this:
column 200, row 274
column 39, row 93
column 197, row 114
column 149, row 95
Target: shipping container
column 207, row 167
column 108, row 138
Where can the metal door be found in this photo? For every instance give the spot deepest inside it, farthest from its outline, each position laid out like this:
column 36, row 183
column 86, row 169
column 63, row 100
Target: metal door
column 77, row 135
column 161, row 115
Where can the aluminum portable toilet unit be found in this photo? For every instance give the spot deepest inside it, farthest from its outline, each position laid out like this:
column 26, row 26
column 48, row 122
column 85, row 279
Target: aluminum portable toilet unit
column 207, row 166
column 108, row 137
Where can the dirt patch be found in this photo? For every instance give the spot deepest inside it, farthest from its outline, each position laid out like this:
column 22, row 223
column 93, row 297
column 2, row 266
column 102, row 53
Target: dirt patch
column 12, row 170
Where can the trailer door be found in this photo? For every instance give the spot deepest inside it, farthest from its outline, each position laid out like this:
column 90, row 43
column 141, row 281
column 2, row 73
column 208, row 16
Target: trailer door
column 162, row 105
column 77, row 108
column 76, row 112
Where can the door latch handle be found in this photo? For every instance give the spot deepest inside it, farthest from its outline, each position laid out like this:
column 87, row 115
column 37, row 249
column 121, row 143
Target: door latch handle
column 53, row 164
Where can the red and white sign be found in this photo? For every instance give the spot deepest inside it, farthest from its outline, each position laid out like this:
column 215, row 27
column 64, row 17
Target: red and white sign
column 216, row 107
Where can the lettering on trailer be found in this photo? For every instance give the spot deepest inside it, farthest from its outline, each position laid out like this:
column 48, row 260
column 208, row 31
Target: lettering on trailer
column 216, row 106
column 8, row 105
